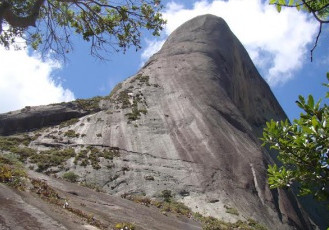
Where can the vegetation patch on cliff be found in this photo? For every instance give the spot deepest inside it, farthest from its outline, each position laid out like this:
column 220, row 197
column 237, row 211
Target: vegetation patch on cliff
column 52, row 157
column 12, row 171
column 168, row 205
column 47, row 193
column 68, row 123
column 90, row 105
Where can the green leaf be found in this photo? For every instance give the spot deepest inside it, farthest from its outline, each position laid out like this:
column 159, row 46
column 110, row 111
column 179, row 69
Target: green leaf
column 310, row 101
column 297, row 6
column 278, row 8
column 315, row 122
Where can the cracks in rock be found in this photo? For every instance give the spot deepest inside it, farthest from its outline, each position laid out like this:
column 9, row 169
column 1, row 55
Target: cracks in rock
column 116, row 176
column 66, row 144
column 212, row 179
column 258, row 190
column 118, row 184
column 96, row 202
column 233, row 121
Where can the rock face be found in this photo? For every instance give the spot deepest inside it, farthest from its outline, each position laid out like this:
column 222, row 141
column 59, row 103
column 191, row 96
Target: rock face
column 32, row 118
column 188, row 122
column 25, row 210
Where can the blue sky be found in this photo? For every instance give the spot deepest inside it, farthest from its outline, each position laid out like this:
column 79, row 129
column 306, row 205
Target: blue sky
column 279, row 45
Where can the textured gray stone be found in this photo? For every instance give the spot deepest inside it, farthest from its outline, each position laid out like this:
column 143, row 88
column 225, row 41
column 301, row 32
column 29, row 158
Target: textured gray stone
column 190, row 119
column 36, row 117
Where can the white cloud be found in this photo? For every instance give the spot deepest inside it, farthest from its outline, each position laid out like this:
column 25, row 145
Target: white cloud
column 25, row 80
column 152, row 46
column 275, row 41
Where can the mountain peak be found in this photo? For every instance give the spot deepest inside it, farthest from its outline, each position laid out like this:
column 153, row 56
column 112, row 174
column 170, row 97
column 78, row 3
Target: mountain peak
column 208, row 31
column 207, row 41
column 188, row 122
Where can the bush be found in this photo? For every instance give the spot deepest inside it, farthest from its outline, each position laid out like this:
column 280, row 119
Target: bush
column 176, row 207
column 125, row 226
column 70, row 176
column 71, row 133
column 68, row 123
column 166, row 194
column 12, row 171
column 53, row 157
column 91, row 105
column 231, row 210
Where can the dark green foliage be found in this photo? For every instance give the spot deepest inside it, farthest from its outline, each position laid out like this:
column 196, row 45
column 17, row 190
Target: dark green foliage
column 70, row 176
column 231, row 210
column 141, row 79
column 50, row 158
column 6, row 143
column 166, row 206
column 123, row 98
column 23, row 153
column 127, row 226
column 166, row 195
column 176, row 207
column 94, row 157
column 91, row 156
column 81, row 155
column 13, row 145
column 105, row 25
column 135, row 113
column 91, row 105
column 12, row 171
column 84, row 162
column 71, row 133
column 211, row 223
column 109, row 154
column 94, row 160
column 303, row 150
column 68, row 123
column 208, row 223
column 320, row 9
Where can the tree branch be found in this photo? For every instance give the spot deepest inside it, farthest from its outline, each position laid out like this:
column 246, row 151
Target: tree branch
column 7, row 13
column 291, row 6
column 316, row 41
column 314, row 12
column 3, row 7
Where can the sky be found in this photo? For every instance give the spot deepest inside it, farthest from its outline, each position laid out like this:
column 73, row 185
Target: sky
column 278, row 43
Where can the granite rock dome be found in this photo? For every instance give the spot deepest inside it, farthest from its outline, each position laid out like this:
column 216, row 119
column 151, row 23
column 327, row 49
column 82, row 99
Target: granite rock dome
column 189, row 121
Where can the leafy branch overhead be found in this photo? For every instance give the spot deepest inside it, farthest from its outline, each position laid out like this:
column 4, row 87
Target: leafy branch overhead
column 318, row 8
column 108, row 25
column 303, row 149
